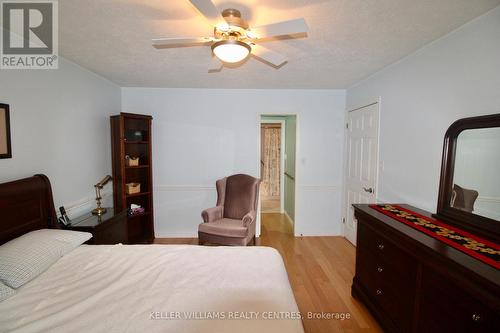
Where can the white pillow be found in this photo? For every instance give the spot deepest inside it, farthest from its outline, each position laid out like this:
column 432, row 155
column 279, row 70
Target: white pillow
column 5, row 292
column 24, row 258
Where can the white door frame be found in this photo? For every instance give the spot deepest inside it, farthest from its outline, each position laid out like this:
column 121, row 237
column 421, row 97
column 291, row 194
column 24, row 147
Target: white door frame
column 368, row 102
column 297, row 167
column 282, row 158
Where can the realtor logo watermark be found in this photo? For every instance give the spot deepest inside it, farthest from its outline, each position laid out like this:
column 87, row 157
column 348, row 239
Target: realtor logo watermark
column 29, row 35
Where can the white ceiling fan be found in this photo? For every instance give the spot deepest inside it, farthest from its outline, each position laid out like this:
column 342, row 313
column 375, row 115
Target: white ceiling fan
column 233, row 41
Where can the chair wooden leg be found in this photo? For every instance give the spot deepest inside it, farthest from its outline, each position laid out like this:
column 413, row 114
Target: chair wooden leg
column 254, row 241
column 200, row 242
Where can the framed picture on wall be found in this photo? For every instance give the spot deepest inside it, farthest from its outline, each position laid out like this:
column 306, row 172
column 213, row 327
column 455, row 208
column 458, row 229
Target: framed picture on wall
column 5, row 148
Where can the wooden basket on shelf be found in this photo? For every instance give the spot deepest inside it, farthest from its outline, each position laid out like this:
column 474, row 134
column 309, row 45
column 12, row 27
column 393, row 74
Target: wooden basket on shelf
column 131, row 161
column 132, row 188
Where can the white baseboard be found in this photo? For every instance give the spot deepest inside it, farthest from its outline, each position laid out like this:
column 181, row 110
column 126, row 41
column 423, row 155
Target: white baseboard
column 289, row 218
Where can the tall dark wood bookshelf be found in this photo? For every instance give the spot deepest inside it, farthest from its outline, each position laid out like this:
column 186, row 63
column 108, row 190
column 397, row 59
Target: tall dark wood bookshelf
column 131, row 136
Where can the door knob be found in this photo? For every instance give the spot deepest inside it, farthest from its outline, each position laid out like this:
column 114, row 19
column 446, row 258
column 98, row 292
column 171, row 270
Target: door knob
column 369, row 190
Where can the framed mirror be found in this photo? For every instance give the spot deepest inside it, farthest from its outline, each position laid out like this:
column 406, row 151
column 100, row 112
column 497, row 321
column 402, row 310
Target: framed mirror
column 469, row 190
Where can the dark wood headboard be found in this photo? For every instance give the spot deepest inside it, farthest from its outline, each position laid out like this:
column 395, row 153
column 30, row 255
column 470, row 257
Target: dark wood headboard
column 26, row 205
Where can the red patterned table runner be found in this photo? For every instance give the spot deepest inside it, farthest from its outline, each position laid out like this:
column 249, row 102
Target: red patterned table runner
column 481, row 249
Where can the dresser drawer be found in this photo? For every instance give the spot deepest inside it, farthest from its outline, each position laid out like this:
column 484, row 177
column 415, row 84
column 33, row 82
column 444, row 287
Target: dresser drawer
column 388, row 275
column 397, row 306
column 376, row 269
column 447, row 307
column 381, row 248
column 390, row 286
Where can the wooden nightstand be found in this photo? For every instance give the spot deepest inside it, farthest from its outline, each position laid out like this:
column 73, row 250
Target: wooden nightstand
column 109, row 228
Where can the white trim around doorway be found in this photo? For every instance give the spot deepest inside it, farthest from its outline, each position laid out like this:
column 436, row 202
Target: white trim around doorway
column 282, row 158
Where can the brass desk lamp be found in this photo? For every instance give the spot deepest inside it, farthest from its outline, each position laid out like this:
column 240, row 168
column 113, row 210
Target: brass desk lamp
column 98, row 187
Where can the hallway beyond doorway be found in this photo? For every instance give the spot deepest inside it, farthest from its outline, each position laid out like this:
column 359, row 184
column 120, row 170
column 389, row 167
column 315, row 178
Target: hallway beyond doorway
column 271, row 165
column 278, row 136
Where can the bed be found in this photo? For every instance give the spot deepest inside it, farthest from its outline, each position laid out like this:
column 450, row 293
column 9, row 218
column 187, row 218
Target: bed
column 146, row 288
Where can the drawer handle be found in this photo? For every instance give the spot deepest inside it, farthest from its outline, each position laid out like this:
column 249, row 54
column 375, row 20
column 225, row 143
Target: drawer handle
column 381, row 246
column 380, row 269
column 379, row 292
column 476, row 317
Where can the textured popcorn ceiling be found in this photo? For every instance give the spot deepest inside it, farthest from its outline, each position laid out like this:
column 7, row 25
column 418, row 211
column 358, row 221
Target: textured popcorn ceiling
column 348, row 39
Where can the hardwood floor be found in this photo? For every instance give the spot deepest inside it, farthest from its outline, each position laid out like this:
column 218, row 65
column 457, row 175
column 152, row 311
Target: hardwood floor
column 270, row 204
column 320, row 270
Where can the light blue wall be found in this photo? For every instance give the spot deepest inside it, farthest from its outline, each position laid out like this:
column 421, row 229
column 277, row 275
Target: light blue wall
column 60, row 127
column 454, row 77
column 223, row 140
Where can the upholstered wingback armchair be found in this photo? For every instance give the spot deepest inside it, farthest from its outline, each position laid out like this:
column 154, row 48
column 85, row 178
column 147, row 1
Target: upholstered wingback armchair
column 232, row 221
column 463, row 198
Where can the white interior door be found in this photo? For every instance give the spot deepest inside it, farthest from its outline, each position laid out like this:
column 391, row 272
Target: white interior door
column 361, row 163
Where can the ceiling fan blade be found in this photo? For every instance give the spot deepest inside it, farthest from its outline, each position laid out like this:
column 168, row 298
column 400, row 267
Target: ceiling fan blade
column 181, row 41
column 268, row 56
column 208, row 9
column 285, row 28
column 215, row 65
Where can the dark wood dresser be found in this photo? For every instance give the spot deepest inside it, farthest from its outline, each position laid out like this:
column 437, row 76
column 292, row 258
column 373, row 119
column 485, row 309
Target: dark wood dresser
column 412, row 282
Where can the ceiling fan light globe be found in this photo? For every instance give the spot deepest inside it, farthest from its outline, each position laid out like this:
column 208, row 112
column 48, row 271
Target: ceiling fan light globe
column 231, row 51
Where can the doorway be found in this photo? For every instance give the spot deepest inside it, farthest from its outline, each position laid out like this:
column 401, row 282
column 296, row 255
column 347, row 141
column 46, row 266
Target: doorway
column 277, row 165
column 361, row 167
column 271, row 166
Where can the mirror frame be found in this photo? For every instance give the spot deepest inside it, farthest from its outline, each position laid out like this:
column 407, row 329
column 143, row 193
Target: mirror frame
column 479, row 225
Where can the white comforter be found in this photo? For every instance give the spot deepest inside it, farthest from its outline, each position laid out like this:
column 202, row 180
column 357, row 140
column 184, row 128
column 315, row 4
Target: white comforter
column 157, row 288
